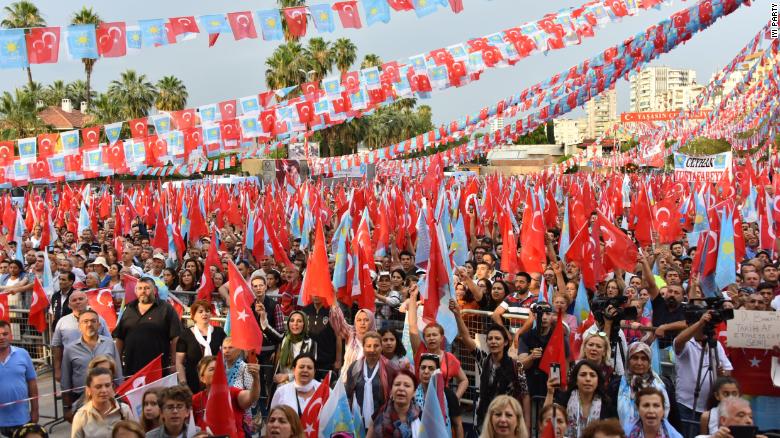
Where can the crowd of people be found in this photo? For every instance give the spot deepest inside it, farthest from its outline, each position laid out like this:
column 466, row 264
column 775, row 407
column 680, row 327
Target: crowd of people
column 647, row 361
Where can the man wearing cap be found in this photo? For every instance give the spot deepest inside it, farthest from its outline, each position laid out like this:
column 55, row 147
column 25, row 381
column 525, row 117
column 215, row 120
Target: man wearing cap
column 158, row 264
column 149, row 327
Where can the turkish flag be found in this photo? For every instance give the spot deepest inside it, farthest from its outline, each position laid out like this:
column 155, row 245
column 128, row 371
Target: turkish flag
column 310, row 418
column 245, row 330
column 138, row 128
column 46, row 144
column 296, row 20
column 192, row 140
column 128, row 284
column 510, row 264
column 218, row 416
column 228, row 109
column 348, row 13
column 305, row 111
column 317, row 280
column 148, row 374
column 115, row 155
column 390, row 72
column 90, row 136
column 111, row 39
column 401, row 5
column 242, row 24
column 549, row 430
column 341, row 104
column 555, row 352
column 7, row 155
column 206, row 283
column 666, row 220
column 103, row 305
column 533, row 254
column 268, row 120
column 5, row 314
column 73, row 163
column 619, row 249
column 182, row 25
column 43, row 45
column 38, row 307
column 351, row 81
column 198, row 227
column 185, row 119
column 230, row 129
column 40, row 169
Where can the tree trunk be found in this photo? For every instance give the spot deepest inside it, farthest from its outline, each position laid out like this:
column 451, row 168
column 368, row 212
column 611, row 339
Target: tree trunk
column 29, row 77
column 89, row 78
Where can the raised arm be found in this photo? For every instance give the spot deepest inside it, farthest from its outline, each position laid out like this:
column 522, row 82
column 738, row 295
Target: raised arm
column 463, row 331
column 689, row 332
column 248, row 397
column 411, row 315
column 647, row 274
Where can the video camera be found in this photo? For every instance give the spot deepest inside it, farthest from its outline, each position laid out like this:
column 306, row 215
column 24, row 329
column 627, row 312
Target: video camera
column 694, row 311
column 600, row 303
column 541, row 308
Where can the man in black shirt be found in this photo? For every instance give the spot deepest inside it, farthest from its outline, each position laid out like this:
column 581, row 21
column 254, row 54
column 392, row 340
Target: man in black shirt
column 149, row 327
column 668, row 316
column 59, row 299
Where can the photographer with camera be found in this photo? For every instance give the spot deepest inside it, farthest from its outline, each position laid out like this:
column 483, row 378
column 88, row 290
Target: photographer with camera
column 668, row 317
column 531, row 345
column 700, row 359
column 608, row 313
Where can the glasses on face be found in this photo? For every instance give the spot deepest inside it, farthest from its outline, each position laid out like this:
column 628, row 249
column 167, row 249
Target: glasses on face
column 172, row 408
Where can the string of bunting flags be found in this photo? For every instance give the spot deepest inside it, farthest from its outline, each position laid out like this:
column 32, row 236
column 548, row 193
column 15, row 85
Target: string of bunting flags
column 335, row 99
column 753, row 113
column 41, row 45
column 603, row 70
column 662, row 130
column 147, row 149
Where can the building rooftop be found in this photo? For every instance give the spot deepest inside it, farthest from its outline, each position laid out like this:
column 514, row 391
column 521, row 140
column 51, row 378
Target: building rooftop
column 63, row 120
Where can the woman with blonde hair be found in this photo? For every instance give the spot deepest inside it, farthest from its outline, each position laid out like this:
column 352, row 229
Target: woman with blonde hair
column 283, row 422
column 596, row 348
column 101, row 411
column 504, row 419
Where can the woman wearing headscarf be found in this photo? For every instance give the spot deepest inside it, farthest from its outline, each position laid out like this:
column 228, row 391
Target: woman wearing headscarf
column 296, row 341
column 353, row 350
column 639, row 374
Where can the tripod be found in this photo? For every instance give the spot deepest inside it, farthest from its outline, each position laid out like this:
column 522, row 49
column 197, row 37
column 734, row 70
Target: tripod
column 710, row 349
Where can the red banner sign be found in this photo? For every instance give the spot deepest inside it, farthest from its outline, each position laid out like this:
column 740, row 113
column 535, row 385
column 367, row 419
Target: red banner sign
column 662, row 116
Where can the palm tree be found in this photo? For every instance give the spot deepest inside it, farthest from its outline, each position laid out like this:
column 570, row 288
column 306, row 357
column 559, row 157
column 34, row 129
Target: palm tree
column 171, row 94
column 371, row 60
column 287, row 66
column 318, row 52
column 19, row 113
column 105, row 110
column 344, row 54
column 23, row 15
column 134, row 94
column 86, row 16
column 78, row 91
column 55, row 92
column 289, row 4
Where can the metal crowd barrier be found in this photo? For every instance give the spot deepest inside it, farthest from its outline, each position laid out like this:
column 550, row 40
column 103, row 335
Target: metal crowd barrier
column 477, row 321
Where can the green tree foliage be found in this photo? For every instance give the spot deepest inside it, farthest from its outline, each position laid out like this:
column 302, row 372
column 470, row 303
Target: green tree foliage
column 538, row 136
column 171, row 94
column 134, row 94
